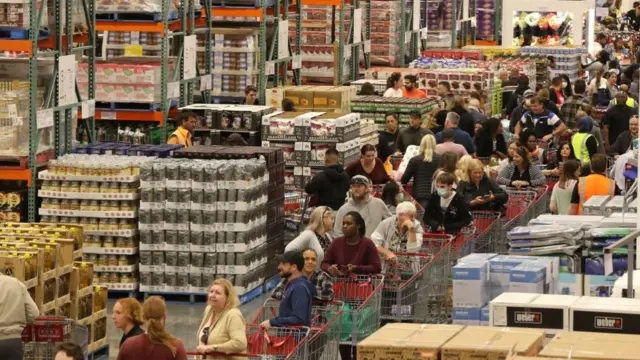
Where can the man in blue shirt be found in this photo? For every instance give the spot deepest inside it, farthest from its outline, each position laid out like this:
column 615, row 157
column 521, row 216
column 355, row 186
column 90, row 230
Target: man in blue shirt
column 461, row 137
column 295, row 305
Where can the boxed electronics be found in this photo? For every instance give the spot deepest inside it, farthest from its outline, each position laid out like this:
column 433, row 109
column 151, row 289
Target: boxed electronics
column 486, row 343
column 407, row 341
column 545, row 311
column 470, row 285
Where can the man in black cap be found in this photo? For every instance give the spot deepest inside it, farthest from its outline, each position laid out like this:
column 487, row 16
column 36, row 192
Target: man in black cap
column 295, row 305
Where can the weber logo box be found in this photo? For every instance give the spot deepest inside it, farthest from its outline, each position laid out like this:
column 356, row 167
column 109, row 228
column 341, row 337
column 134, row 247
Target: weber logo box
column 606, row 315
column 538, row 318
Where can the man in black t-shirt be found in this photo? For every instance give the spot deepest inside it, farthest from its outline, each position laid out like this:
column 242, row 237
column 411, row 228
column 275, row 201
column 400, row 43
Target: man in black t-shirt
column 545, row 123
column 616, row 120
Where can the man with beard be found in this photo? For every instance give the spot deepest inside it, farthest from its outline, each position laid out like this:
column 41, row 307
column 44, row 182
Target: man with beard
column 320, row 279
column 372, row 210
column 295, row 304
column 624, row 142
column 412, row 134
column 616, row 120
column 411, row 88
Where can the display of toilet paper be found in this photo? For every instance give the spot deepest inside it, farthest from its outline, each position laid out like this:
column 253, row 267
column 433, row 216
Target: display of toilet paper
column 479, row 278
column 200, row 220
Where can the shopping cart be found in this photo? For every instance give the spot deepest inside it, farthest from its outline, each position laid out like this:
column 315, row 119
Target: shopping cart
column 296, row 209
column 543, row 197
column 361, row 295
column 275, row 343
column 324, row 332
column 519, row 210
column 42, row 336
column 376, row 191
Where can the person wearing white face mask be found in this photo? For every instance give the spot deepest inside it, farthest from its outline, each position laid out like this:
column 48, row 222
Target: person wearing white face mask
column 447, row 211
column 567, row 88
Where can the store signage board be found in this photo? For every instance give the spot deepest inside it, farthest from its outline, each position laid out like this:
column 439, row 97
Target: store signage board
column 133, row 50
column 296, row 63
column 67, row 80
column 283, row 39
column 189, row 57
column 45, row 118
column 269, row 68
column 206, row 82
column 88, row 109
column 357, row 26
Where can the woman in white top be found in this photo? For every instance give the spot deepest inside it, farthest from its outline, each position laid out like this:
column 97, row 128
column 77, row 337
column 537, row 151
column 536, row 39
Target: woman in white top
column 316, row 236
column 394, row 84
column 562, row 190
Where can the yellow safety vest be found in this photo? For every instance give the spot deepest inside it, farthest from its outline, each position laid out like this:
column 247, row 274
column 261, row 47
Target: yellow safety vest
column 630, row 102
column 180, row 135
column 579, row 144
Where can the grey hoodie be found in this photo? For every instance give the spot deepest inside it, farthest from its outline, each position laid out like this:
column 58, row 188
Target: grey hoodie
column 372, row 210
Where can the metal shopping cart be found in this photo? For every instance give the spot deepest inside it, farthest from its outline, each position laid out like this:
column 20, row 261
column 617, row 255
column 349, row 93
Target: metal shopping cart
column 44, row 334
column 325, row 328
column 297, row 210
column 275, row 343
column 362, row 296
column 416, row 284
column 519, row 210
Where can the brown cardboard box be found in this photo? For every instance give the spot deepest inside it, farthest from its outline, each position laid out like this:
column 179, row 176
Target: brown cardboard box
column 14, row 263
column 275, row 96
column 485, row 343
column 407, row 342
column 300, row 95
column 588, row 346
column 332, row 98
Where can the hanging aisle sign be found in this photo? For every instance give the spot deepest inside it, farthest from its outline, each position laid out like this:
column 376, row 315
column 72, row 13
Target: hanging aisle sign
column 189, row 57
column 357, row 26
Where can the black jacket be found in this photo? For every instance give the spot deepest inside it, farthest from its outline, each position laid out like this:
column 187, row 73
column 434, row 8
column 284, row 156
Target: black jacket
column 454, row 219
column 467, row 121
column 622, row 143
column 484, row 144
column 470, row 191
column 422, row 173
column 410, row 136
column 617, row 120
column 387, row 144
column 330, row 185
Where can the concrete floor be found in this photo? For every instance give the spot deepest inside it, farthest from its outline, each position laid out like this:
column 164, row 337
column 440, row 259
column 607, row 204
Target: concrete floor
column 183, row 321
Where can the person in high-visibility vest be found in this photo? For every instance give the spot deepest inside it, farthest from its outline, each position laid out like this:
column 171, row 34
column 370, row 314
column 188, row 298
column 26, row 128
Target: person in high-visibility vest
column 184, row 132
column 595, row 184
column 584, row 144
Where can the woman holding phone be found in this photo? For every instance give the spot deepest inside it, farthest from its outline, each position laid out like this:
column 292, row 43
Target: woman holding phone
column 481, row 192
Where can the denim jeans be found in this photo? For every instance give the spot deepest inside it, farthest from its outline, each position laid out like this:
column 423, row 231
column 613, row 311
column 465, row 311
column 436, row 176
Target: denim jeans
column 11, row 349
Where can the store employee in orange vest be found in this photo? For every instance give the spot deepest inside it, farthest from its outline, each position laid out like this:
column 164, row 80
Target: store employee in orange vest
column 183, row 133
column 595, row 184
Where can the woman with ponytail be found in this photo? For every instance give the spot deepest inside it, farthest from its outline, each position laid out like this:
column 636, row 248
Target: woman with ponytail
column 156, row 343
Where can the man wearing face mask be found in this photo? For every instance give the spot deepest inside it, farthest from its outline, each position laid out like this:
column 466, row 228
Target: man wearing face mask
column 624, row 142
column 401, row 232
column 616, row 120
column 555, row 91
column 372, row 210
column 447, row 210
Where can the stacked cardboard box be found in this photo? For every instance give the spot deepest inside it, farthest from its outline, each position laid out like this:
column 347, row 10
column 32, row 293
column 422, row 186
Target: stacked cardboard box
column 375, row 108
column 316, row 98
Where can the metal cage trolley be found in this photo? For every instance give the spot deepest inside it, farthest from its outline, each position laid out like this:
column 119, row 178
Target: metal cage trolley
column 44, row 334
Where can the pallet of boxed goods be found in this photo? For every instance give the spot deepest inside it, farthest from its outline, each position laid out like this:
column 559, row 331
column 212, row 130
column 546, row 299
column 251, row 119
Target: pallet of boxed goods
column 313, row 98
column 483, row 343
column 591, row 346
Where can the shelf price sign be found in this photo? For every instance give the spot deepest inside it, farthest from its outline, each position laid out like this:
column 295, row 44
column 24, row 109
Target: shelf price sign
column 357, row 26
column 67, row 80
column 283, row 39
column 189, row 57
column 416, row 15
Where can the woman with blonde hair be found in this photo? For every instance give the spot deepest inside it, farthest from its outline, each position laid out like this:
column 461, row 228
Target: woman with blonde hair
column 462, row 171
column 157, row 343
column 223, row 329
column 316, row 236
column 421, row 169
column 480, row 191
column 127, row 316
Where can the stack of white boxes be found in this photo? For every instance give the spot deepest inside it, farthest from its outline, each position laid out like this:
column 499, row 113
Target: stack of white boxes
column 479, row 278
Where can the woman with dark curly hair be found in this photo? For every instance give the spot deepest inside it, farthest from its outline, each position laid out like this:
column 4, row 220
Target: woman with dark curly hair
column 490, row 140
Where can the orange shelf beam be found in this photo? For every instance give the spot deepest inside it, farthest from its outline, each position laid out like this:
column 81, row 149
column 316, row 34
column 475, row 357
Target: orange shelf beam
column 130, row 26
column 119, row 115
column 322, row 2
column 237, row 12
column 16, row 174
column 50, row 43
column 16, row 46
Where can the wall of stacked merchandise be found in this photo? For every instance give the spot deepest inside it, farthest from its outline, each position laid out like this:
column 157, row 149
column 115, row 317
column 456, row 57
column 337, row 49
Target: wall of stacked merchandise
column 44, row 257
column 218, row 215
column 323, row 119
column 100, row 193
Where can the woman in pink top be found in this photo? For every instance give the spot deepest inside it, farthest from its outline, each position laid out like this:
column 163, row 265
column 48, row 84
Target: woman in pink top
column 156, row 343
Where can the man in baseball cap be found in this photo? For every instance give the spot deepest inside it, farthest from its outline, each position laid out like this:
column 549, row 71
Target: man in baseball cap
column 373, row 210
column 522, row 108
column 295, row 305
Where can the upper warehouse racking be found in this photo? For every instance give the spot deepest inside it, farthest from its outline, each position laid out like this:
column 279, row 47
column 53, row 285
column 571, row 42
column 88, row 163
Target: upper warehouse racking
column 47, row 58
